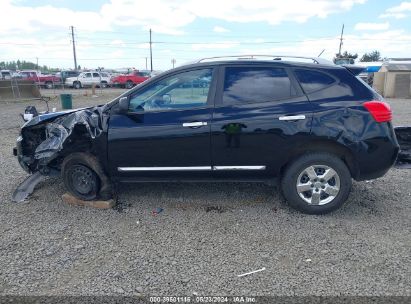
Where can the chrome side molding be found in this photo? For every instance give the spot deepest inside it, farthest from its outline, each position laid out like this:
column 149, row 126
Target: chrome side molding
column 133, row 169
column 193, row 168
column 217, row 168
column 195, row 124
column 292, row 117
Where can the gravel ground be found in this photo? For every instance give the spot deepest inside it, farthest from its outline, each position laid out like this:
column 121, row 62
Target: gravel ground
column 50, row 248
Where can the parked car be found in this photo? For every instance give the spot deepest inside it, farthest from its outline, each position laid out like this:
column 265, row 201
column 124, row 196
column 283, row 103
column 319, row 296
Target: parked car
column 312, row 126
column 5, row 75
column 87, row 79
column 130, row 80
column 66, row 74
column 47, row 81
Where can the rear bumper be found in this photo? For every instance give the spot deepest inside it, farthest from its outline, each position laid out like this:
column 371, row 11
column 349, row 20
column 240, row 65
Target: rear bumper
column 376, row 157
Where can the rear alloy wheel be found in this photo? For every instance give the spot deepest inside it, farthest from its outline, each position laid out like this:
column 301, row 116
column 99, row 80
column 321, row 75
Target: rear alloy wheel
column 103, row 85
column 81, row 181
column 77, row 85
column 129, row 84
column 316, row 183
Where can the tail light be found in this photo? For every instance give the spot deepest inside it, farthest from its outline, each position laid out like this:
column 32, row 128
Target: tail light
column 380, row 111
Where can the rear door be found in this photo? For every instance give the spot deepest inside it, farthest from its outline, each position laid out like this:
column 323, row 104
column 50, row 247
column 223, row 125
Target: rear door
column 260, row 115
column 96, row 78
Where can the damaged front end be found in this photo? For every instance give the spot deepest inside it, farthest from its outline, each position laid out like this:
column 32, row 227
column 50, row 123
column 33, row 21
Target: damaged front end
column 47, row 139
column 404, row 140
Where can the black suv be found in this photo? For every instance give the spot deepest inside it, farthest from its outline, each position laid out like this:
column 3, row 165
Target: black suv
column 315, row 126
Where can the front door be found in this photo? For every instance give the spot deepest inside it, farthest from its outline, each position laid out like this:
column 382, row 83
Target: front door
column 260, row 115
column 166, row 132
column 87, row 79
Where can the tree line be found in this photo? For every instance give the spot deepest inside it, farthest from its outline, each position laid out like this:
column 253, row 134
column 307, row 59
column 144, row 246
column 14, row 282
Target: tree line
column 25, row 65
column 367, row 57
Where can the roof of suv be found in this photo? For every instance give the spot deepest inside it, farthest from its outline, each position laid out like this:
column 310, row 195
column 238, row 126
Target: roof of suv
column 264, row 59
column 253, row 61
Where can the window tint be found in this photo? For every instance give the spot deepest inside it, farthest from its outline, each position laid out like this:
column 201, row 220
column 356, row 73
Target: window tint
column 313, row 80
column 96, row 75
column 255, row 84
column 87, row 75
column 180, row 91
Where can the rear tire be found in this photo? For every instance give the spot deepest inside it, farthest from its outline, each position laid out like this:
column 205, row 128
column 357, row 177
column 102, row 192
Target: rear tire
column 129, row 84
column 316, row 183
column 49, row 85
column 80, row 180
column 77, row 85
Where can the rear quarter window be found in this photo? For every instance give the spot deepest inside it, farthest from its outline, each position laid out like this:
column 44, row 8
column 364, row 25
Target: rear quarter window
column 313, row 80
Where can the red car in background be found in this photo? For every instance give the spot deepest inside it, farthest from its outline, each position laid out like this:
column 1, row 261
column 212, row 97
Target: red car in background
column 130, row 80
column 47, row 81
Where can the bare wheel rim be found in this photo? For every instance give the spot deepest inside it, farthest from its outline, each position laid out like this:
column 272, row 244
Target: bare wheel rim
column 82, row 180
column 318, row 185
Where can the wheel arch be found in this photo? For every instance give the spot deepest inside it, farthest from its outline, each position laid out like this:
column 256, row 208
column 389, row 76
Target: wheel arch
column 327, row 146
column 91, row 161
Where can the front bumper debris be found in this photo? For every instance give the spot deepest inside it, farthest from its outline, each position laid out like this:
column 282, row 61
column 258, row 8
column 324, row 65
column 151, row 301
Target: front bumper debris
column 27, row 187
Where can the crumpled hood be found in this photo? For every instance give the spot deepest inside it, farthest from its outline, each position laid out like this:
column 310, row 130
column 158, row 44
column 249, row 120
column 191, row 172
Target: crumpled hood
column 48, row 116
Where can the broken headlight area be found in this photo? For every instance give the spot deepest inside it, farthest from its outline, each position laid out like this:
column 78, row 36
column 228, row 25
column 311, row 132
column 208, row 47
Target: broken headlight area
column 43, row 146
column 47, row 140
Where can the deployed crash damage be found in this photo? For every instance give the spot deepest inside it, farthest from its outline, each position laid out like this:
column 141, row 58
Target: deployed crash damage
column 314, row 139
column 404, row 139
column 47, row 140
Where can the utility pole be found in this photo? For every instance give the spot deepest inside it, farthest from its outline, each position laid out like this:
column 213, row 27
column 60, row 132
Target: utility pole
column 74, row 48
column 173, row 61
column 146, row 63
column 37, row 63
column 341, row 40
column 151, row 53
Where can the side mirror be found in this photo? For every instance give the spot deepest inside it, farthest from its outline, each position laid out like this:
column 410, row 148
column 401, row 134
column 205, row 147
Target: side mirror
column 123, row 104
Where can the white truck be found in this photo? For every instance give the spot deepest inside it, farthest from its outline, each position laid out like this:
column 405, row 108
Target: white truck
column 87, row 79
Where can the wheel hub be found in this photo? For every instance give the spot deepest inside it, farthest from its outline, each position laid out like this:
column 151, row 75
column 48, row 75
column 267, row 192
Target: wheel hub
column 318, row 184
column 82, row 180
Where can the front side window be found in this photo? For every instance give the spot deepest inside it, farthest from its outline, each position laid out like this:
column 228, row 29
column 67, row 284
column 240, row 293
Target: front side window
column 256, row 84
column 313, row 80
column 96, row 75
column 87, row 75
column 180, row 91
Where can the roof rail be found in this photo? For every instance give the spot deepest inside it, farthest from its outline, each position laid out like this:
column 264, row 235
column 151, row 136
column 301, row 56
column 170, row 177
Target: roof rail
column 274, row 57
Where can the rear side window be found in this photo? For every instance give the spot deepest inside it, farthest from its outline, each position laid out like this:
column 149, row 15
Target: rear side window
column 256, row 84
column 313, row 80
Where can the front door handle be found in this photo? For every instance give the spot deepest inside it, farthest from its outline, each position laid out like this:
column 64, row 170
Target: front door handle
column 195, row 124
column 292, row 117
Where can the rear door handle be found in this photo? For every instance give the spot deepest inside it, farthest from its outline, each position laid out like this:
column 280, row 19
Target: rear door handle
column 195, row 124
column 292, row 117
